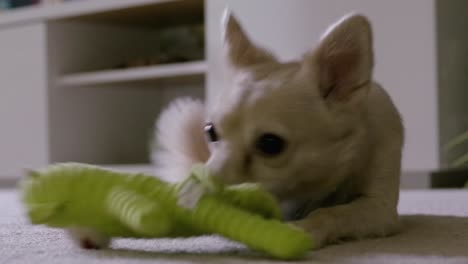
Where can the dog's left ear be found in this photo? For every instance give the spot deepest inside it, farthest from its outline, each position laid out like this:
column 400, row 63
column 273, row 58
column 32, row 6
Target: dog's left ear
column 344, row 58
column 239, row 50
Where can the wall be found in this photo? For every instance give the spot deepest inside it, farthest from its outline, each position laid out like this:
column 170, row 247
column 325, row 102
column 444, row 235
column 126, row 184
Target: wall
column 23, row 108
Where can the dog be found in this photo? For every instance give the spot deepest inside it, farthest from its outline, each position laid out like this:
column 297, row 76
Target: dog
column 318, row 133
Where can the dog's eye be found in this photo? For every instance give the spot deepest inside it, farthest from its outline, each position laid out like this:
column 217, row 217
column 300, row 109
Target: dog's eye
column 210, row 132
column 270, row 144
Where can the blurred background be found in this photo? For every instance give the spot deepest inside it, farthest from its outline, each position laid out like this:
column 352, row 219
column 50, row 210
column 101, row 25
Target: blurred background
column 84, row 80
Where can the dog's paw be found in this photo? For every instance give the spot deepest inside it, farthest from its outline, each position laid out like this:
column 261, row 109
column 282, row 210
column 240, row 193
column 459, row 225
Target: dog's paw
column 318, row 226
column 327, row 227
column 87, row 238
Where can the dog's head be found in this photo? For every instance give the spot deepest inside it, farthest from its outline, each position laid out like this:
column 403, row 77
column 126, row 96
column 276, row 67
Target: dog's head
column 285, row 125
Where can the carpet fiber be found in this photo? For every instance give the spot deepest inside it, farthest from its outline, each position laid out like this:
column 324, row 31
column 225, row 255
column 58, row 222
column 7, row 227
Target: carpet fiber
column 435, row 231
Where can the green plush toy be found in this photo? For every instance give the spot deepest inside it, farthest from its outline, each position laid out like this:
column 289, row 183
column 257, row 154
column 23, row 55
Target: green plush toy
column 141, row 206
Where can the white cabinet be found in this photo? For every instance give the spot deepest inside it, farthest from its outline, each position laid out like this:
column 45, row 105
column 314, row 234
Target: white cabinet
column 405, row 40
column 23, row 99
column 63, row 96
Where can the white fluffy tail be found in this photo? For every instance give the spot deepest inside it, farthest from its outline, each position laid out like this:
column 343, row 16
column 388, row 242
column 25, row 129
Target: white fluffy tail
column 180, row 139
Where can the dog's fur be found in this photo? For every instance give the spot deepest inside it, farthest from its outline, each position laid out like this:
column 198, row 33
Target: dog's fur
column 338, row 176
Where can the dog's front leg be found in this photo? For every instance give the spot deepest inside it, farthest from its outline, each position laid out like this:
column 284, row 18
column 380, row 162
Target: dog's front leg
column 365, row 216
column 374, row 213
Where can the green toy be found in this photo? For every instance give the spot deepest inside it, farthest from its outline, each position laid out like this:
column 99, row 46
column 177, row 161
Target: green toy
column 141, row 206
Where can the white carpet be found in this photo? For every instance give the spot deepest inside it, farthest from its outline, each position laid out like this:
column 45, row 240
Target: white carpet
column 435, row 231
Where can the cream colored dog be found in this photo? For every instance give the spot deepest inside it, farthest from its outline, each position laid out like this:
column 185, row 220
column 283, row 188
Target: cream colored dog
column 318, row 133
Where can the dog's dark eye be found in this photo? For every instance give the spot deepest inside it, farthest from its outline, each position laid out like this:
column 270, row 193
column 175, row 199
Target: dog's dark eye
column 210, row 132
column 270, row 144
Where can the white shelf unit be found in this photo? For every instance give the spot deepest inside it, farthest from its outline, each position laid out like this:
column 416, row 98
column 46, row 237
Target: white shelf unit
column 122, row 10
column 197, row 68
column 108, row 115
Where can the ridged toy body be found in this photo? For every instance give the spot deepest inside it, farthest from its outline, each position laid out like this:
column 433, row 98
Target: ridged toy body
column 141, row 206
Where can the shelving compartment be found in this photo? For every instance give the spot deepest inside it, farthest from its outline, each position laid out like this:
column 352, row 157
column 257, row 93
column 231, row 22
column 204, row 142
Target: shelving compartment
column 109, row 80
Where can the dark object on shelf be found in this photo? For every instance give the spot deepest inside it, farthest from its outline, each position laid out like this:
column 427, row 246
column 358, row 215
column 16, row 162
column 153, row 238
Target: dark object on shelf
column 449, row 178
column 7, row 4
column 176, row 45
column 156, row 60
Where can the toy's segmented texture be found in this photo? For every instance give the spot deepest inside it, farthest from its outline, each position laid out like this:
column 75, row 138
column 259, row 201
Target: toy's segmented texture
column 248, row 196
column 144, row 216
column 77, row 195
column 277, row 239
column 124, row 205
column 253, row 198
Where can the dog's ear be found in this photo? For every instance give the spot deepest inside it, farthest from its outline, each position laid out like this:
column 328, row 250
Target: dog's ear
column 344, row 58
column 239, row 50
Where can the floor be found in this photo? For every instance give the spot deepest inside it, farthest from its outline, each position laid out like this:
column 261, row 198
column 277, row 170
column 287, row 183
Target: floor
column 435, row 230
